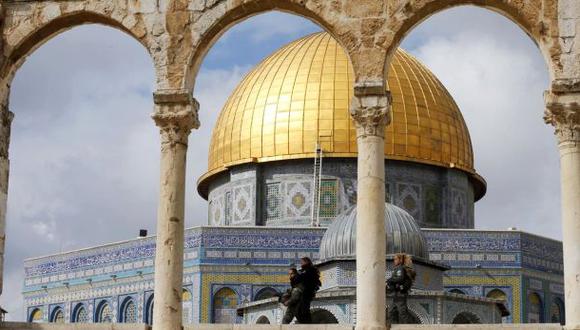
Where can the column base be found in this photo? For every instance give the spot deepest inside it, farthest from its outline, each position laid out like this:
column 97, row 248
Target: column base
column 572, row 327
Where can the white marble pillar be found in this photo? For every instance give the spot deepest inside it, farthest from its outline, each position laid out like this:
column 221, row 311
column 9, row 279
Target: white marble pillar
column 370, row 111
column 5, row 123
column 175, row 115
column 563, row 112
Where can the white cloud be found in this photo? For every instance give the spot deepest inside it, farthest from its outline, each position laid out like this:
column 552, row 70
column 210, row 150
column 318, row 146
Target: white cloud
column 85, row 152
column 498, row 84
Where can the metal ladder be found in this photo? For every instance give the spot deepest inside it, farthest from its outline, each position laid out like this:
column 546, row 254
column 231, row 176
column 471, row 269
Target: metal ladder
column 316, row 184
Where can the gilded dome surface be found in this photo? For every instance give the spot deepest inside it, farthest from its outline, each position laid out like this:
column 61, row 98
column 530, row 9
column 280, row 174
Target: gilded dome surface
column 402, row 232
column 301, row 94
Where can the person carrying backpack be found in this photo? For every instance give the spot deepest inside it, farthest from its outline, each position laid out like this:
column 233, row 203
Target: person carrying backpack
column 400, row 284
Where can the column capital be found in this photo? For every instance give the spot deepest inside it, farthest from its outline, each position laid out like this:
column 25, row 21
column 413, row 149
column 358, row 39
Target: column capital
column 370, row 109
column 175, row 114
column 563, row 112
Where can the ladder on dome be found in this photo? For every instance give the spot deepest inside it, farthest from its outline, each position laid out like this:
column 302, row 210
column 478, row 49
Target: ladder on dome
column 316, row 184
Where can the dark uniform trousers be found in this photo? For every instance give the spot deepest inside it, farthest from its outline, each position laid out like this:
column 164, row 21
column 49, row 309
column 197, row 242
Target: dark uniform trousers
column 399, row 313
column 297, row 307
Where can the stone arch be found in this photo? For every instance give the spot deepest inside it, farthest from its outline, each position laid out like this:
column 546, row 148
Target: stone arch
column 457, row 291
column 417, row 313
column 187, row 306
column 526, row 15
column 215, row 21
column 414, row 317
column 128, row 311
column 263, row 320
column 500, row 294
column 224, row 305
column 36, row 316
column 265, row 293
column 80, row 314
column 557, row 311
column 148, row 311
column 323, row 316
column 57, row 315
column 497, row 294
column 104, row 312
column 32, row 40
column 466, row 317
column 535, row 308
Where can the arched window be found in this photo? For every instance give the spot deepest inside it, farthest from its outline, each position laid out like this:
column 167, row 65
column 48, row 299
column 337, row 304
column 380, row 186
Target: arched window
column 466, row 318
column 187, row 302
column 80, row 314
column 413, row 317
column 35, row 316
column 128, row 311
column 149, row 311
column 266, row 293
column 457, row 291
column 225, row 302
column 535, row 309
column 500, row 295
column 322, row 316
column 557, row 311
column 104, row 313
column 263, row 320
column 497, row 294
column 57, row 316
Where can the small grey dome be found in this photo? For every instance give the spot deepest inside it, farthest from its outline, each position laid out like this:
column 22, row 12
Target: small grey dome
column 403, row 235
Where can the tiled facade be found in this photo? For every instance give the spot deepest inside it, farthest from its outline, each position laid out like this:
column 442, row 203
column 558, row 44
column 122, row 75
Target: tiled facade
column 240, row 264
column 280, row 193
column 245, row 259
column 517, row 264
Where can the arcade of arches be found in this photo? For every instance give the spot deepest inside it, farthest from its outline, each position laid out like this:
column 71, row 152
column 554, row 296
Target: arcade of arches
column 177, row 35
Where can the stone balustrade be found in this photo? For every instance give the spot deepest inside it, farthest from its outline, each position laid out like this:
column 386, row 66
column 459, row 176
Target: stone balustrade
column 79, row 326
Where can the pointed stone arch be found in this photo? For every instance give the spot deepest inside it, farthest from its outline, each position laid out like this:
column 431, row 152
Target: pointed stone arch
column 536, row 18
column 213, row 22
column 23, row 38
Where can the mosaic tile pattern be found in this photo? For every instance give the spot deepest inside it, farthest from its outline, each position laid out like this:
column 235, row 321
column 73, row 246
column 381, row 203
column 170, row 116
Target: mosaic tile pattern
column 436, row 197
column 250, row 259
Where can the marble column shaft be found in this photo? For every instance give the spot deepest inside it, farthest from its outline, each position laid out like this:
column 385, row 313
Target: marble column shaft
column 563, row 112
column 175, row 115
column 370, row 111
column 5, row 123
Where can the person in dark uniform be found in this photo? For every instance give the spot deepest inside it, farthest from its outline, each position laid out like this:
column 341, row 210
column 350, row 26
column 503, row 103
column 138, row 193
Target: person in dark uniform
column 399, row 284
column 292, row 299
column 309, row 278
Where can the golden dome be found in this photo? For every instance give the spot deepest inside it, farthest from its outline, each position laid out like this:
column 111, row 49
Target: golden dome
column 301, row 94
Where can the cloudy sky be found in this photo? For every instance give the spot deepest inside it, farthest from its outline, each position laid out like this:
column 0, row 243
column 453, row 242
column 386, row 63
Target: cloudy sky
column 85, row 153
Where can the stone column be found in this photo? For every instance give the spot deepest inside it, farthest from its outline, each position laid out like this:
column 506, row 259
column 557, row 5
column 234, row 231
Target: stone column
column 175, row 115
column 563, row 112
column 370, row 111
column 5, row 123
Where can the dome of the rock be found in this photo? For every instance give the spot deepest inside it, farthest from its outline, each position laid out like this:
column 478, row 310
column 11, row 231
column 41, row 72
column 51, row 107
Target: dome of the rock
column 301, row 94
column 402, row 232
